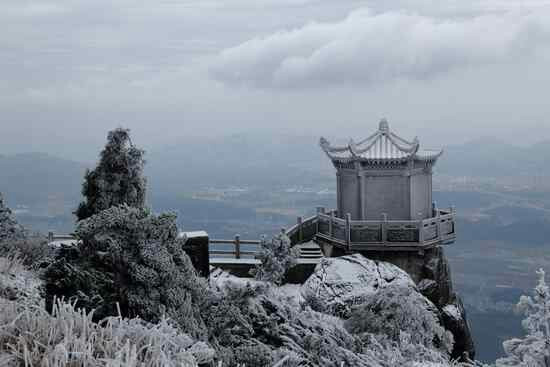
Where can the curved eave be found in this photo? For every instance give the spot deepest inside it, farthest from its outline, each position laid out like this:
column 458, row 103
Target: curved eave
column 428, row 155
column 424, row 156
column 380, row 146
column 370, row 161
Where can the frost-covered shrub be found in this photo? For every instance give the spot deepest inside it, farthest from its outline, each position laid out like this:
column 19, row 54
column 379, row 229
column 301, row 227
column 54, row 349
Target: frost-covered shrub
column 277, row 257
column 128, row 256
column 117, row 179
column 33, row 249
column 253, row 354
column 10, row 230
column 397, row 310
column 534, row 349
column 14, row 239
column 17, row 282
column 32, row 337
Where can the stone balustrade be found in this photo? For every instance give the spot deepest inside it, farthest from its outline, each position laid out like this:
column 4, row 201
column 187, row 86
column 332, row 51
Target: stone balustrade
column 353, row 234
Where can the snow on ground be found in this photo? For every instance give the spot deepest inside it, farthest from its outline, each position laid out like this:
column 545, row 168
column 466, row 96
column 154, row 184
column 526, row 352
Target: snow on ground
column 453, row 312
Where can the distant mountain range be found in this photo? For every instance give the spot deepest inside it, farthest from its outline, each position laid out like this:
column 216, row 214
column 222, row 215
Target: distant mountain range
column 239, row 160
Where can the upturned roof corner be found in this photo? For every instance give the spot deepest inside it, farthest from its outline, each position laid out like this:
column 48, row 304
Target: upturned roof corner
column 383, row 145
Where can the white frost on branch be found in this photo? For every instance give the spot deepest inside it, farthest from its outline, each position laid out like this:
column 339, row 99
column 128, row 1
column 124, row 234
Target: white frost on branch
column 534, row 349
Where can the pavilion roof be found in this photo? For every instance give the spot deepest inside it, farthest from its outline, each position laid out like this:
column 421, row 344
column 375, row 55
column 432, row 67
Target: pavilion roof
column 383, row 145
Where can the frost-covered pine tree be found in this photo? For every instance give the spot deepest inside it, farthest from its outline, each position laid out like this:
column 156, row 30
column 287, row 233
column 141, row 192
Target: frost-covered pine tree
column 10, row 230
column 117, row 179
column 277, row 257
column 130, row 257
column 534, row 349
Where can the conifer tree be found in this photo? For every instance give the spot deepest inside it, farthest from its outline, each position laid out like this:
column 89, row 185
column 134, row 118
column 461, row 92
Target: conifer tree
column 534, row 349
column 117, row 179
column 9, row 228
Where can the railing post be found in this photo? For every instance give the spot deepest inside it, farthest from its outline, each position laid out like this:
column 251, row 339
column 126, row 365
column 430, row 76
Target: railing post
column 330, row 223
column 237, row 246
column 421, row 231
column 348, row 230
column 299, row 221
column 383, row 228
column 320, row 210
column 50, row 236
column 434, row 209
column 453, row 210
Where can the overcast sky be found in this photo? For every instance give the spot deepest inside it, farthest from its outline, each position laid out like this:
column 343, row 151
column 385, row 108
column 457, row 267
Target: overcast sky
column 448, row 71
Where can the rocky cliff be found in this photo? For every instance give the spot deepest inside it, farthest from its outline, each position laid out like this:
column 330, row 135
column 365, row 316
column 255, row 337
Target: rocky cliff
column 431, row 273
column 351, row 311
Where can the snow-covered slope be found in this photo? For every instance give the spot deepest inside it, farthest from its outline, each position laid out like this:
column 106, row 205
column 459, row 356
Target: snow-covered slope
column 314, row 322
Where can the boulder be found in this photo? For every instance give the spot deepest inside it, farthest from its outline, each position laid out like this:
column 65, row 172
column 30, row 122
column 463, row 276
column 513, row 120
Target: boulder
column 340, row 283
column 277, row 321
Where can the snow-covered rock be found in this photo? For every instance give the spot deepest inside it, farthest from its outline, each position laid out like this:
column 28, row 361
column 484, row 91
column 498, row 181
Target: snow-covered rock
column 378, row 298
column 452, row 311
column 279, row 319
column 340, row 283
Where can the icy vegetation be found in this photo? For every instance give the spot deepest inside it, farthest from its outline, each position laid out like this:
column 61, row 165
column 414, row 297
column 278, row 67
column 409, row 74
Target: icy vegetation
column 133, row 260
column 10, row 230
column 534, row 349
column 117, row 179
column 276, row 257
column 32, row 337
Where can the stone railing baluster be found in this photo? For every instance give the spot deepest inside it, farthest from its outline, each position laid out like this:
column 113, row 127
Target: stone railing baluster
column 237, row 246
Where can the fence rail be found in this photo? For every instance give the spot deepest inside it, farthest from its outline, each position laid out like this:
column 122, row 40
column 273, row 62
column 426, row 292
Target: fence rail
column 236, row 242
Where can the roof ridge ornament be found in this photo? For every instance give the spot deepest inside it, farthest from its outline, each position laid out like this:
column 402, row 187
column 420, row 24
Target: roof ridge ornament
column 384, row 126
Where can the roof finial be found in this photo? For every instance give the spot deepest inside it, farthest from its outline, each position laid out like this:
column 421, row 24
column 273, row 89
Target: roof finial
column 384, row 126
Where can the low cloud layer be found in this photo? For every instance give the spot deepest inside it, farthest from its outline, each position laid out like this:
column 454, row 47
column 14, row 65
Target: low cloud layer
column 448, row 71
column 367, row 48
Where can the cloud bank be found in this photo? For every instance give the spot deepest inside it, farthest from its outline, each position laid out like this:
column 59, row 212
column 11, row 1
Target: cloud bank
column 367, row 48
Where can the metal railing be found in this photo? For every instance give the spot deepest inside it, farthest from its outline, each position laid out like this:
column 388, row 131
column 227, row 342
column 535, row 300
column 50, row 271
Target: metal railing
column 237, row 252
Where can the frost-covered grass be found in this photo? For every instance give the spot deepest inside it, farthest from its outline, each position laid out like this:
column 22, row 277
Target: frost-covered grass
column 30, row 336
column 11, row 265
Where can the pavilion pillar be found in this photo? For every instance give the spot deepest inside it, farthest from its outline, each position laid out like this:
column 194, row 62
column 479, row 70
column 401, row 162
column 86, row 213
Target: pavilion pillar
column 339, row 189
column 360, row 191
column 348, row 230
column 330, row 230
column 384, row 228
